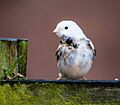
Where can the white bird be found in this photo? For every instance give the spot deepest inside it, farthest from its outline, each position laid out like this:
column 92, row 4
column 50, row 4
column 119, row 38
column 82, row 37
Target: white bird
column 76, row 52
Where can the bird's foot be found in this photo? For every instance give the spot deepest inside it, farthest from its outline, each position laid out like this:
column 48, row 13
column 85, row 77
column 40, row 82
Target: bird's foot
column 59, row 76
column 84, row 78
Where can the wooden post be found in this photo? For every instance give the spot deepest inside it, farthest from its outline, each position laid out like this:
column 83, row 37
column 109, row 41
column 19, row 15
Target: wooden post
column 13, row 58
column 60, row 92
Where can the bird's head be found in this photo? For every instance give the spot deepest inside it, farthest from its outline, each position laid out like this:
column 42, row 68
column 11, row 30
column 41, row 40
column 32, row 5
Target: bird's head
column 68, row 28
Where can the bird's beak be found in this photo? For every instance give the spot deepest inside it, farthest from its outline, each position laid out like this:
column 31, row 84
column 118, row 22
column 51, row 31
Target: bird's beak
column 55, row 30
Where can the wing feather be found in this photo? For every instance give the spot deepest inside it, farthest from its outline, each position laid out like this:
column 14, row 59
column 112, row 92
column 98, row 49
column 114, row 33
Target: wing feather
column 91, row 46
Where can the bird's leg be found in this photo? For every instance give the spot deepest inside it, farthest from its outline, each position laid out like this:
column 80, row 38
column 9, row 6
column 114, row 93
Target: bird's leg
column 84, row 78
column 59, row 76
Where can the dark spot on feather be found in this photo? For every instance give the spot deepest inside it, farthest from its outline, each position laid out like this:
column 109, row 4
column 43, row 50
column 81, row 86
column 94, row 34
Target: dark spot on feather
column 94, row 52
column 58, row 54
column 60, row 41
column 86, row 63
column 83, row 55
column 75, row 45
column 64, row 37
column 69, row 41
column 89, row 46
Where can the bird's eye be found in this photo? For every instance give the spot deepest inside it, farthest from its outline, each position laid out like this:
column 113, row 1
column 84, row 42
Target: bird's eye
column 66, row 27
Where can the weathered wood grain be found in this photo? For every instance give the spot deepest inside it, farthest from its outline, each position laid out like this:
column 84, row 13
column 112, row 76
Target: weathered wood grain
column 13, row 58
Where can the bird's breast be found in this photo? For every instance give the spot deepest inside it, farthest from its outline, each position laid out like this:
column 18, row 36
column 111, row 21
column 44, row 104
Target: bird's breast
column 74, row 63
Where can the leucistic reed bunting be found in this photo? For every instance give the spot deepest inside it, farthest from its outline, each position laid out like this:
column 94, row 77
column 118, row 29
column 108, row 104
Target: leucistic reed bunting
column 75, row 53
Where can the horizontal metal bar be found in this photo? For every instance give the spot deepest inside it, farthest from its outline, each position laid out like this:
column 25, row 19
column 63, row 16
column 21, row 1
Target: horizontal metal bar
column 91, row 82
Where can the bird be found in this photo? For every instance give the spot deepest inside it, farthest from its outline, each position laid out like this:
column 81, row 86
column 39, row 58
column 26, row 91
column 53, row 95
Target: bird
column 75, row 53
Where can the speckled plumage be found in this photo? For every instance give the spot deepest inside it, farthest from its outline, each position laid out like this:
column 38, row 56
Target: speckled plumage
column 75, row 56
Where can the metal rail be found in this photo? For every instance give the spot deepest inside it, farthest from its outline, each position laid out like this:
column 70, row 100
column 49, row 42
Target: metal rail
column 89, row 82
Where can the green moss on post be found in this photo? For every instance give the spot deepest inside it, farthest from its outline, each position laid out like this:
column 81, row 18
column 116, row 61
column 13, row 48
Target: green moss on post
column 60, row 93
column 22, row 54
column 13, row 58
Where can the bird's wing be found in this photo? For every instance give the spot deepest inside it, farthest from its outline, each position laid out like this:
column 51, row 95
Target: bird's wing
column 91, row 46
column 58, row 53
